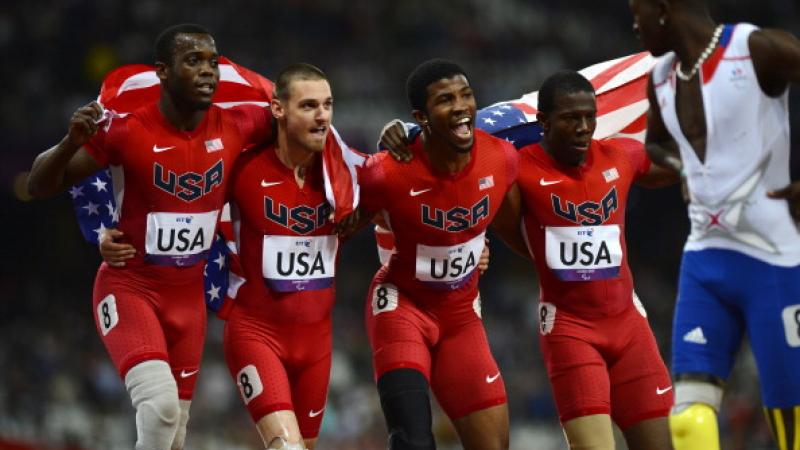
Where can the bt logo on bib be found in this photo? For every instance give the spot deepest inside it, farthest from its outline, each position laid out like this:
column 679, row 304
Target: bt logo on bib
column 179, row 238
column 583, row 253
column 295, row 263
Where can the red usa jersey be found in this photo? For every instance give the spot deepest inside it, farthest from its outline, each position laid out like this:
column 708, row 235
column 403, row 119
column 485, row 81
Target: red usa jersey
column 286, row 242
column 169, row 185
column 439, row 220
column 574, row 223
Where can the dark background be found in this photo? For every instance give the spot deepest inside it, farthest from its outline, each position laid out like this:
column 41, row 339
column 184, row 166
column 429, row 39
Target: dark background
column 57, row 387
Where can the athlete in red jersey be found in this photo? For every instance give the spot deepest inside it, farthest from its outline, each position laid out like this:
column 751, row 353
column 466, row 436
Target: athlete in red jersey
column 423, row 307
column 278, row 334
column 171, row 161
column 600, row 353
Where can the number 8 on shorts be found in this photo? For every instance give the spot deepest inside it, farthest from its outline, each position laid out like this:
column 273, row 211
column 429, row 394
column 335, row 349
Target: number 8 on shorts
column 384, row 298
column 107, row 317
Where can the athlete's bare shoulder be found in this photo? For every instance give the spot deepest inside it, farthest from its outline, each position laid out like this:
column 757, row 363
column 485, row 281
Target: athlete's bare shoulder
column 776, row 59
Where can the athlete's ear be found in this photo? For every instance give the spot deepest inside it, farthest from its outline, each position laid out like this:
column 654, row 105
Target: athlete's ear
column 420, row 117
column 277, row 108
column 543, row 120
column 664, row 11
column 161, row 70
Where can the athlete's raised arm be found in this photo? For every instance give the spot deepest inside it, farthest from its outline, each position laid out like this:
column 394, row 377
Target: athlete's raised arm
column 55, row 169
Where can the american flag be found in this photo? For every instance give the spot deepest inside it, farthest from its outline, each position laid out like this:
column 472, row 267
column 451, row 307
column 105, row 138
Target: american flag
column 621, row 88
column 486, row 182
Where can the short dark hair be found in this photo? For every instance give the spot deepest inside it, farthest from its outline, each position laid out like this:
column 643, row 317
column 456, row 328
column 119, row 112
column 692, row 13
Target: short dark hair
column 563, row 82
column 297, row 71
column 165, row 42
column 424, row 75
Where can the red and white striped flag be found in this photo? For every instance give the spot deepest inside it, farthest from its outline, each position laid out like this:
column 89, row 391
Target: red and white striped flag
column 621, row 88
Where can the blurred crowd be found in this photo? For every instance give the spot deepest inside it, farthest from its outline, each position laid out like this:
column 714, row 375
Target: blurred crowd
column 58, row 389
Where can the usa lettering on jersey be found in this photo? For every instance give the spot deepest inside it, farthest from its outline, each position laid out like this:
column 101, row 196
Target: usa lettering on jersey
column 188, row 186
column 587, row 213
column 457, row 218
column 302, row 219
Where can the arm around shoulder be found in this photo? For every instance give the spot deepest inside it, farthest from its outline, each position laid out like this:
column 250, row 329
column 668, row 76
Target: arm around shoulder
column 508, row 220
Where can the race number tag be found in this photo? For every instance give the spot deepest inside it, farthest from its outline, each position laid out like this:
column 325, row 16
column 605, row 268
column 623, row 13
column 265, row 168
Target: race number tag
column 297, row 263
column 179, row 239
column 583, row 253
column 448, row 267
column 249, row 383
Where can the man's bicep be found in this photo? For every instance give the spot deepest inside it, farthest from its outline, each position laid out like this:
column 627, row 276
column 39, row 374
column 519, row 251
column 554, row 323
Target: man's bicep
column 776, row 58
column 506, row 222
column 656, row 130
column 81, row 165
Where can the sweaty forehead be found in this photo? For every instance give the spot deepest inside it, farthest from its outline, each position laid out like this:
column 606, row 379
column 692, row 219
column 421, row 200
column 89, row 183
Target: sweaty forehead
column 186, row 42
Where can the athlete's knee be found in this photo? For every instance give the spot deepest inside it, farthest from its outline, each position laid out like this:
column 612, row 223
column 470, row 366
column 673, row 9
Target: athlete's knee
column 693, row 420
column 592, row 432
column 280, row 443
column 407, row 409
column 154, row 395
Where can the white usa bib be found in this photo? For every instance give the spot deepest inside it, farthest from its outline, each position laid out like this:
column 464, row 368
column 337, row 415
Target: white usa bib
column 299, row 263
column 179, row 239
column 448, row 267
column 583, row 253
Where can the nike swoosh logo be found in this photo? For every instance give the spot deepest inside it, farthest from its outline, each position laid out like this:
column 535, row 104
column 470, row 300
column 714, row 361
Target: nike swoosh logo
column 660, row 391
column 491, row 380
column 185, row 374
column 157, row 149
column 544, row 182
column 313, row 413
column 265, row 183
column 414, row 193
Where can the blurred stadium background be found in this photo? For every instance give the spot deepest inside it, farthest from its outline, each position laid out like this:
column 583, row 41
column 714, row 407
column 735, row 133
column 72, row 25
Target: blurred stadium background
column 58, row 389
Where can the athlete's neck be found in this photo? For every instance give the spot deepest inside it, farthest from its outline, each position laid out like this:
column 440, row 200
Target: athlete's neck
column 184, row 118
column 444, row 156
column 294, row 156
column 692, row 37
column 548, row 148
